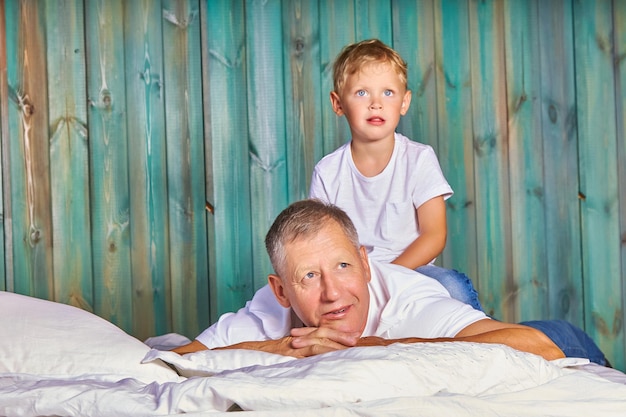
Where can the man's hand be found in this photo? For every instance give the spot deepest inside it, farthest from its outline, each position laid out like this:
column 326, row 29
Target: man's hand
column 311, row 341
column 303, row 342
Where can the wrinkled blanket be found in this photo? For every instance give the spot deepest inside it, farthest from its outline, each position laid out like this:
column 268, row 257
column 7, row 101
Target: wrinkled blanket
column 435, row 379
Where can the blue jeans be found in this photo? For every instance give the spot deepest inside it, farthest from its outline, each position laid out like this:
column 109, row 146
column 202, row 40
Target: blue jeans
column 457, row 283
column 573, row 341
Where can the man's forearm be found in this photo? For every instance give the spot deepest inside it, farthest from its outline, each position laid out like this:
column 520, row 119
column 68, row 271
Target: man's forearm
column 191, row 347
column 523, row 339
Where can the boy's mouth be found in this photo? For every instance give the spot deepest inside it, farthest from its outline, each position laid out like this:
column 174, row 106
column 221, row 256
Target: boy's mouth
column 376, row 120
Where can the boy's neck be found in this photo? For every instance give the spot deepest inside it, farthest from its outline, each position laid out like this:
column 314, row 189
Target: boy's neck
column 371, row 158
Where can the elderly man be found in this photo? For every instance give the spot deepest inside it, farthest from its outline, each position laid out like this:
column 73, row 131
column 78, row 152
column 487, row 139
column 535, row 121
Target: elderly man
column 325, row 295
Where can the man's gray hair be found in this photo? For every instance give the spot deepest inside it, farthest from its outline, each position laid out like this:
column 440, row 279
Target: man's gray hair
column 304, row 219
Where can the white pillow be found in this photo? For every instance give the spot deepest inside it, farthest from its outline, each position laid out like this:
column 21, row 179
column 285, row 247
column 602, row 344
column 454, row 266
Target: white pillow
column 264, row 381
column 458, row 367
column 46, row 338
column 211, row 362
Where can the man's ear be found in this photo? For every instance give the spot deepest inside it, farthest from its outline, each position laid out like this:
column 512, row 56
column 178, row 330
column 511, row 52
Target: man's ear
column 336, row 103
column 276, row 284
column 406, row 102
column 365, row 262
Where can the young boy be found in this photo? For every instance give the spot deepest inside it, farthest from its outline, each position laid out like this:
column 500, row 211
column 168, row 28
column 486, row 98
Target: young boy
column 391, row 187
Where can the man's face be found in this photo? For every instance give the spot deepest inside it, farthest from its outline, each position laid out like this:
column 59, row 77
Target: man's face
column 325, row 281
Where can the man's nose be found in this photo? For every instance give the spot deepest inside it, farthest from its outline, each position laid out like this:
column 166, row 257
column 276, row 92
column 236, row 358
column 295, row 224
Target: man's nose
column 330, row 288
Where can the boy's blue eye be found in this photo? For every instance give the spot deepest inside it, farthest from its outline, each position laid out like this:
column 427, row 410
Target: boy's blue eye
column 360, row 93
column 388, row 93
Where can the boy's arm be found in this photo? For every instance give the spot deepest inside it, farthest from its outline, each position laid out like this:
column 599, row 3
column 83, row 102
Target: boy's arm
column 432, row 239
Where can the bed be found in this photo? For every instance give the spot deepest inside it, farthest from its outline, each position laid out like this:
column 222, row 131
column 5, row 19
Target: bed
column 59, row 360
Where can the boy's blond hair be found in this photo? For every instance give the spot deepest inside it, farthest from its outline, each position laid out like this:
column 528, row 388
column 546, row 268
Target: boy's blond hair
column 353, row 57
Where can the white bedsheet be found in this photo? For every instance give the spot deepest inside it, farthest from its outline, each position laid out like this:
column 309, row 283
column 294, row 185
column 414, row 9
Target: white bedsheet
column 443, row 379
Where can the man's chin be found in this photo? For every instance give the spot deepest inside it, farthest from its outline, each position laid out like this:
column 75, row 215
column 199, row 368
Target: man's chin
column 344, row 327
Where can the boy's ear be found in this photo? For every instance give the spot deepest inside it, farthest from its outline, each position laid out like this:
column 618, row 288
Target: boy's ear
column 336, row 103
column 276, row 284
column 406, row 102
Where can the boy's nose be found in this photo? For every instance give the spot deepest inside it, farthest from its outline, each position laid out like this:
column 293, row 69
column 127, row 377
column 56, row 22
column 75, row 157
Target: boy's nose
column 375, row 105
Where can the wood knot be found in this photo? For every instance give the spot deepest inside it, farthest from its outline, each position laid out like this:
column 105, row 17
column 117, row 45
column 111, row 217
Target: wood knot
column 35, row 236
column 105, row 96
column 552, row 113
column 27, row 107
column 299, row 45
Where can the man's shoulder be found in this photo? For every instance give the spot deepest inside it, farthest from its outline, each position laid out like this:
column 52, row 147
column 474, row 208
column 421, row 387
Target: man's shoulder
column 400, row 281
column 416, row 305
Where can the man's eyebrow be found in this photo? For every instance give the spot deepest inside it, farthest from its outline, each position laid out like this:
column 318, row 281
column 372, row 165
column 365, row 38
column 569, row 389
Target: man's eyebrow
column 302, row 270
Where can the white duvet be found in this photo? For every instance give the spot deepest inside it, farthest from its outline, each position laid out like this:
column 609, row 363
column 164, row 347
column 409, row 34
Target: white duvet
column 57, row 360
column 446, row 379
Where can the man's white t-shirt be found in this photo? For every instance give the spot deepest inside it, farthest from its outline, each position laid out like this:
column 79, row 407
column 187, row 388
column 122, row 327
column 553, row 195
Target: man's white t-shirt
column 383, row 207
column 403, row 303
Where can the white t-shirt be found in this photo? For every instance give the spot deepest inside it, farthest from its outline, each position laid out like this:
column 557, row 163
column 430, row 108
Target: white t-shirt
column 403, row 303
column 382, row 207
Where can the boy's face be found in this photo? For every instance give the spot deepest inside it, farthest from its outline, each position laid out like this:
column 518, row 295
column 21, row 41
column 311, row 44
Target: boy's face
column 372, row 99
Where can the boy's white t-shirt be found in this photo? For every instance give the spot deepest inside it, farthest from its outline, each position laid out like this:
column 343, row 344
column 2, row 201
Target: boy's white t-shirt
column 383, row 207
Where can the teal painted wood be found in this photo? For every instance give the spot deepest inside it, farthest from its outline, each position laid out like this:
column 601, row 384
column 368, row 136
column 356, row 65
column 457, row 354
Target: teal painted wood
column 29, row 156
column 414, row 39
column 373, row 20
column 266, row 115
column 456, row 151
column 523, row 76
column 69, row 153
column 342, row 23
column 598, row 176
column 208, row 160
column 560, row 169
column 304, row 95
column 491, row 153
column 337, row 29
column 148, row 171
column 229, row 137
column 185, row 166
column 469, row 103
column 110, row 197
column 619, row 19
column 6, row 266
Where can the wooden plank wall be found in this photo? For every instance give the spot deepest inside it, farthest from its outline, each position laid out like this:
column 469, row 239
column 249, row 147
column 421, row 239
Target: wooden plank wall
column 148, row 145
